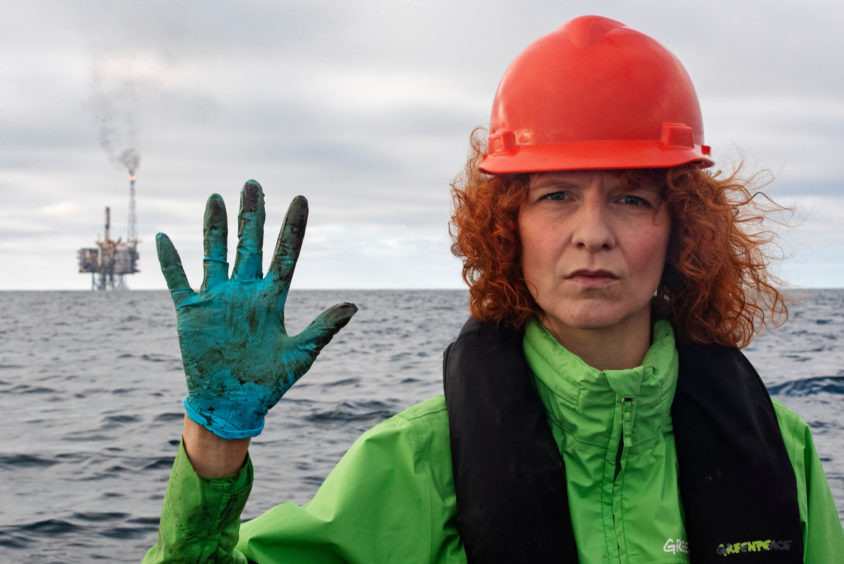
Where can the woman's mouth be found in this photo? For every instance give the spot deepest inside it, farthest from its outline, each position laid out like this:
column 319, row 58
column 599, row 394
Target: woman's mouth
column 592, row 278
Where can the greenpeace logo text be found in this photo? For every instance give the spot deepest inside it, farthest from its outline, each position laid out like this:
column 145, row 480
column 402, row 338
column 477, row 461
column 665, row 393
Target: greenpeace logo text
column 752, row 546
column 676, row 545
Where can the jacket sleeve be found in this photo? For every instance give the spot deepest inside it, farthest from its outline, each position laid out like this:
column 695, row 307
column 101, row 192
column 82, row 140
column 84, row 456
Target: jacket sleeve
column 200, row 517
column 823, row 536
column 389, row 499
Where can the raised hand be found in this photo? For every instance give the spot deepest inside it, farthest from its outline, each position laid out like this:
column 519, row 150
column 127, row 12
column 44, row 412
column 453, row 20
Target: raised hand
column 238, row 358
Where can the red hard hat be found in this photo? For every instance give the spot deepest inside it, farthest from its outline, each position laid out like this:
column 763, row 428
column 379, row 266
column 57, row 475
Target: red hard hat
column 594, row 94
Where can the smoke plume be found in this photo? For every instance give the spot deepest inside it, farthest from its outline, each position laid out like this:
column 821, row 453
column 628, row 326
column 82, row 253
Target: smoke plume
column 130, row 159
column 115, row 103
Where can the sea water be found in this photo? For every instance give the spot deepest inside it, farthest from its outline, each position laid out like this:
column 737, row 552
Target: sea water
column 91, row 386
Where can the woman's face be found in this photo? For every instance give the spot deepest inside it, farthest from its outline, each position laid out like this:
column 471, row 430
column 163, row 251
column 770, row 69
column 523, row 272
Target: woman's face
column 593, row 251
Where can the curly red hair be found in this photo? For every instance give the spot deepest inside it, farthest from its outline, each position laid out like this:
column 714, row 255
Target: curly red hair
column 716, row 286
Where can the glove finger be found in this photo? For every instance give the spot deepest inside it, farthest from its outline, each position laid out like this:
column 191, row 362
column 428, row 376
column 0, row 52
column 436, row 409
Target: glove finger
column 250, row 233
column 321, row 330
column 289, row 243
column 307, row 345
column 171, row 267
column 215, row 231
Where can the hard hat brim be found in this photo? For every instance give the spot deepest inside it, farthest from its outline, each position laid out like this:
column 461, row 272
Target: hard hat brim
column 594, row 155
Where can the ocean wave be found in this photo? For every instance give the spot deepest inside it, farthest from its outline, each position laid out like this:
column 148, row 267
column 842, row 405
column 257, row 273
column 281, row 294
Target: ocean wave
column 809, row 386
column 353, row 411
column 20, row 461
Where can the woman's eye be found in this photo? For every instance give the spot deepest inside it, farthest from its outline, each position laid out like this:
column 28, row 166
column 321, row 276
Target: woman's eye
column 636, row 201
column 556, row 196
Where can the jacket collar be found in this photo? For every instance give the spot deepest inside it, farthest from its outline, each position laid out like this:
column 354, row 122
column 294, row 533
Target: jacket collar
column 582, row 400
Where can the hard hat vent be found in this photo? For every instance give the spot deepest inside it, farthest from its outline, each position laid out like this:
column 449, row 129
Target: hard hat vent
column 677, row 135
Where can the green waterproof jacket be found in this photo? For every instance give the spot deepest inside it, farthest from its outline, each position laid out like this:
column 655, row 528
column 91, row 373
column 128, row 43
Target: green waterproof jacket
column 391, row 497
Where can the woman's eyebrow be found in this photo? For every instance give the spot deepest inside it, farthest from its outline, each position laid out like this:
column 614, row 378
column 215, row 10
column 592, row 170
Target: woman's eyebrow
column 551, row 183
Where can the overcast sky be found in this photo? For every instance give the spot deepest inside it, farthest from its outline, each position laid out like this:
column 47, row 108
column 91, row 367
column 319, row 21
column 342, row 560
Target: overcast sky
column 365, row 107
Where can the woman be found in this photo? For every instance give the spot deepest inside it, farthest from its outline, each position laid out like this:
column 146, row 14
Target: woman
column 596, row 408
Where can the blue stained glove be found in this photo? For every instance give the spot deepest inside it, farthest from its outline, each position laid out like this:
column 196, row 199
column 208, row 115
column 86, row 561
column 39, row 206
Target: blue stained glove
column 238, row 358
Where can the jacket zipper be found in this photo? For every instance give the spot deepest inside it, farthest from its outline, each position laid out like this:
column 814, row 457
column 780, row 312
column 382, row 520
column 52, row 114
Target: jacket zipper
column 626, row 431
column 626, row 440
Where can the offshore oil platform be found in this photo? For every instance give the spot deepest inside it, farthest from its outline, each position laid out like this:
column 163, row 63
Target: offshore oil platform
column 111, row 260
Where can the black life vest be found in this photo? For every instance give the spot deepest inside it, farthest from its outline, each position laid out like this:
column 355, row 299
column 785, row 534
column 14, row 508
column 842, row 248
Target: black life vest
column 736, row 481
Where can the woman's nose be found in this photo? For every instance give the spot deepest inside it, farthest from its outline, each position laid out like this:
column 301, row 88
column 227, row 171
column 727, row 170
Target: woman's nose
column 591, row 230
